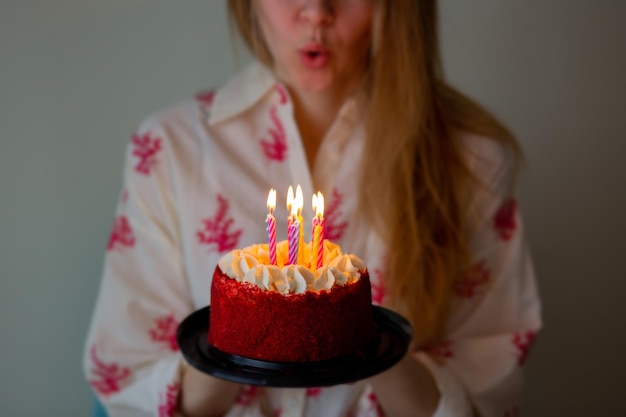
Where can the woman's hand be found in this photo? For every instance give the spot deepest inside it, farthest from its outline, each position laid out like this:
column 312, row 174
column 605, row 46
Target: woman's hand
column 202, row 395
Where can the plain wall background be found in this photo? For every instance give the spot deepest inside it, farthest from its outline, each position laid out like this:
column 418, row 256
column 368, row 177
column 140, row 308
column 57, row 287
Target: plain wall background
column 77, row 76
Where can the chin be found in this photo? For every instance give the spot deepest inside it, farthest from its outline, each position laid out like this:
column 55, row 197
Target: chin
column 314, row 83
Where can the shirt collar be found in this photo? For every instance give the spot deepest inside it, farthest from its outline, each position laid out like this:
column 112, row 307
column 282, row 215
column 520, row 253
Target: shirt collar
column 241, row 92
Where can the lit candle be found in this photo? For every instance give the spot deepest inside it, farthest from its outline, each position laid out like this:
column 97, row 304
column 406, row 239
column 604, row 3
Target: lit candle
column 290, row 199
column 293, row 233
column 315, row 220
column 270, row 223
column 299, row 201
column 317, row 252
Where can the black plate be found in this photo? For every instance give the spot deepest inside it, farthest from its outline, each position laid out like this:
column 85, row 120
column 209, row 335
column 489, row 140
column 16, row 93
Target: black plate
column 391, row 344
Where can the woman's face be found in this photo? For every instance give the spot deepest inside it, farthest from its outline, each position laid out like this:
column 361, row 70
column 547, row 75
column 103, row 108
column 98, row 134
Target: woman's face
column 317, row 45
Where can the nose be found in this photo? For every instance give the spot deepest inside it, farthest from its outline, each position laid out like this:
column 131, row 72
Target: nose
column 317, row 12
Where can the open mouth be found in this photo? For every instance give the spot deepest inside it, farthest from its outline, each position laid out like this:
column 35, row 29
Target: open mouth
column 314, row 56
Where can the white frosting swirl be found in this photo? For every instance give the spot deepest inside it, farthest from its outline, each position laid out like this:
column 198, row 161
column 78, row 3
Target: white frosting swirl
column 262, row 275
column 326, row 277
column 283, row 284
column 302, row 276
column 252, row 265
column 235, row 264
column 349, row 264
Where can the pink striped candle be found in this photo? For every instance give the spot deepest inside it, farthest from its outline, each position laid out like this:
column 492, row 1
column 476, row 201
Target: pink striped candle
column 270, row 225
column 316, row 254
column 320, row 247
column 289, row 217
column 299, row 203
column 293, row 228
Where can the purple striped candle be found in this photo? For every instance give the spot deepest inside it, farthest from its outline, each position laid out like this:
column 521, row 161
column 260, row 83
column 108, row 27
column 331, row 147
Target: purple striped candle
column 293, row 234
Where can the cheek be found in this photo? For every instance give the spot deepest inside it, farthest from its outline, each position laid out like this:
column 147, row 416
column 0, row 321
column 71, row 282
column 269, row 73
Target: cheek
column 275, row 19
column 359, row 40
column 281, row 36
column 357, row 30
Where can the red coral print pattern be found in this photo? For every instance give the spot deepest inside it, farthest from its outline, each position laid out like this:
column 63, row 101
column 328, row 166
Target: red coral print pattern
column 108, row 377
column 206, row 98
column 375, row 405
column 313, row 392
column 523, row 342
column 441, row 352
column 512, row 412
column 217, row 230
column 247, row 395
column 122, row 234
column 167, row 402
column 278, row 412
column 164, row 332
column 334, row 229
column 124, row 198
column 378, row 290
column 282, row 94
column 276, row 148
column 473, row 281
column 504, row 220
column 146, row 149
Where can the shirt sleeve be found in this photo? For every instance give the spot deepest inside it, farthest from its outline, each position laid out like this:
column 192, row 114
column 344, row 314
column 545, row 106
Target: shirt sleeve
column 495, row 307
column 131, row 359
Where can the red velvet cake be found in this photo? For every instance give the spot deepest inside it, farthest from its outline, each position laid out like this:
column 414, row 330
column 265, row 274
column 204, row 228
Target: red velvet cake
column 290, row 314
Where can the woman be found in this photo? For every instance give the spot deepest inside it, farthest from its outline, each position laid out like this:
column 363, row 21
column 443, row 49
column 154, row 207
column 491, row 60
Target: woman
column 347, row 98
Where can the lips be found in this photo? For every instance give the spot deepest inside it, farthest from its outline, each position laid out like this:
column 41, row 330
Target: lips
column 314, row 55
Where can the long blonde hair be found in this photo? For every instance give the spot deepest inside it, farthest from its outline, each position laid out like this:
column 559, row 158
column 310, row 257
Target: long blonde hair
column 415, row 183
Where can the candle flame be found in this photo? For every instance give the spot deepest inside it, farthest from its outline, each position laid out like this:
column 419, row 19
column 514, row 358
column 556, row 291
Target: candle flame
column 271, row 200
column 299, row 200
column 318, row 204
column 295, row 204
column 290, row 199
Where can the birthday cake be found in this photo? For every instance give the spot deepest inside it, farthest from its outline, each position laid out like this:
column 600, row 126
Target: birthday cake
column 282, row 312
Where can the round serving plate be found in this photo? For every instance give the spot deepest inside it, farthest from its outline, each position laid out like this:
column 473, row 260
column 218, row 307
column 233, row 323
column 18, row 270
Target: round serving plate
column 391, row 344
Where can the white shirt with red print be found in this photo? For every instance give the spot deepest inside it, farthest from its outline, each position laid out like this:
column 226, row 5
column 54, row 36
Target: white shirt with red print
column 195, row 186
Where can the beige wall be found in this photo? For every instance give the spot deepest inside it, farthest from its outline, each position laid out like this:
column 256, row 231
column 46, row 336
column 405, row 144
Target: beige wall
column 77, row 76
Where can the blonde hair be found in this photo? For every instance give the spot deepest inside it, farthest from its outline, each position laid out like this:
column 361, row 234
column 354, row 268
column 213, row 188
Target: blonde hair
column 415, row 183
